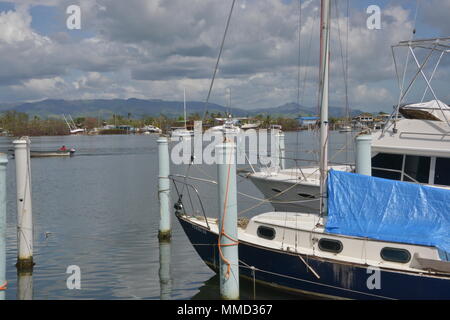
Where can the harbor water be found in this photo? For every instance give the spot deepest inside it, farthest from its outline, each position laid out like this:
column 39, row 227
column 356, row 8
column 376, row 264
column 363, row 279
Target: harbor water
column 99, row 211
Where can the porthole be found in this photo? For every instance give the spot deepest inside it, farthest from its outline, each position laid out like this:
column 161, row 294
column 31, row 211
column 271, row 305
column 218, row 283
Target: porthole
column 266, row 233
column 395, row 255
column 330, row 245
column 305, row 195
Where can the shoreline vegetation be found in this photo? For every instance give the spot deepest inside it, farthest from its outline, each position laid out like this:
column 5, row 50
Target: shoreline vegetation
column 13, row 123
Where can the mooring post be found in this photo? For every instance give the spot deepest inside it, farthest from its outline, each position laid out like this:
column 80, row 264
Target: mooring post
column 164, row 189
column 3, row 282
column 364, row 154
column 24, row 208
column 228, row 236
column 282, row 151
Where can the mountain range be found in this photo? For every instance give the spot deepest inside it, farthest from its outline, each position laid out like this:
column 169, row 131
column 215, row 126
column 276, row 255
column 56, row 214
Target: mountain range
column 137, row 108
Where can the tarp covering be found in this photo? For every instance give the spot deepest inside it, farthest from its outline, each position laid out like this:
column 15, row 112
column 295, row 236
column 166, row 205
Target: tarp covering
column 388, row 210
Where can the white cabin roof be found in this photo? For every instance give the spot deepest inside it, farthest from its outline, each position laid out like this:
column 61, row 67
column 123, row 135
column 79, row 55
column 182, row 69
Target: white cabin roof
column 414, row 137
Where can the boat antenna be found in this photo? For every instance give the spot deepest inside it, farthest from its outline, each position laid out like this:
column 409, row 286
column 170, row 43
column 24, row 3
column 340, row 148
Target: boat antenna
column 324, row 82
column 218, row 59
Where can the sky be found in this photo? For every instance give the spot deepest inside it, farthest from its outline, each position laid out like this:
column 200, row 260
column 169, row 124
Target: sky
column 153, row 49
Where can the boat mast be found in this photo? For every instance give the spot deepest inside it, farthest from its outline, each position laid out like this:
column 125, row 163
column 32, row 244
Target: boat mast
column 184, row 99
column 324, row 81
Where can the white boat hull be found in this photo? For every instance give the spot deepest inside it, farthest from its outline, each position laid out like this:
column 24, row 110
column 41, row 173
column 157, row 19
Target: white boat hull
column 292, row 190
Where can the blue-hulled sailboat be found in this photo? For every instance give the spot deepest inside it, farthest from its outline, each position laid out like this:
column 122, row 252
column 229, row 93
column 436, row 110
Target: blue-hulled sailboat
column 373, row 239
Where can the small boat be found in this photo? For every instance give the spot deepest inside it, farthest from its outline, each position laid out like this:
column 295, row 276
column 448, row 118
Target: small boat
column 180, row 134
column 345, row 129
column 57, row 153
column 248, row 126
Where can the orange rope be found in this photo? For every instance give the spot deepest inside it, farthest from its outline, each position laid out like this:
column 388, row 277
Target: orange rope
column 222, row 231
column 4, row 286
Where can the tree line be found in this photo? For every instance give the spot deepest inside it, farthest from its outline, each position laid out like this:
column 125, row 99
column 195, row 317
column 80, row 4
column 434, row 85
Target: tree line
column 18, row 124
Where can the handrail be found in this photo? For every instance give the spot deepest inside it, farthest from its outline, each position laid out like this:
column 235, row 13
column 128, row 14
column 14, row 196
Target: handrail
column 188, row 185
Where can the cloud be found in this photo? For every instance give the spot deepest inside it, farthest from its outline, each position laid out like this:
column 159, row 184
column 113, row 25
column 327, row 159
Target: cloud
column 154, row 48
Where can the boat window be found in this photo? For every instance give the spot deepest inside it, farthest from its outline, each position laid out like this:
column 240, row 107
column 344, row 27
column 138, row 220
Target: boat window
column 387, row 161
column 330, row 245
column 276, row 190
column 305, row 195
column 395, row 255
column 442, row 172
column 266, row 232
column 417, row 168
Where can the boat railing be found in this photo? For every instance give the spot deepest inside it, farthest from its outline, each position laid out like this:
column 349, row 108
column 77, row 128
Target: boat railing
column 182, row 180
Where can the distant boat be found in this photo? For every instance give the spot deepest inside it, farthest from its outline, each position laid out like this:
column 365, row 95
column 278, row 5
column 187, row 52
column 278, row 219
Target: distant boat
column 151, row 129
column 248, row 126
column 345, row 129
column 47, row 154
column 178, row 134
column 72, row 126
column 229, row 125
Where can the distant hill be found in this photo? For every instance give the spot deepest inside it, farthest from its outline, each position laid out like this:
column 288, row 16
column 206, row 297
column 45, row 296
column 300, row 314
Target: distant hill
column 293, row 110
column 139, row 107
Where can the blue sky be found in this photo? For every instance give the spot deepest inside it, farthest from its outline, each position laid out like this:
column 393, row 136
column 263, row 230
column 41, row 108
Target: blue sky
column 151, row 49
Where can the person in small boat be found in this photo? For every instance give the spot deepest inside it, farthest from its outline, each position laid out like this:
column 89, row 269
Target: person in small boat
column 63, row 148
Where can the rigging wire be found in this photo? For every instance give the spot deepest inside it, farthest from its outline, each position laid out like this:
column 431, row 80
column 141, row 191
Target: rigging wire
column 218, row 58
column 299, row 67
column 344, row 59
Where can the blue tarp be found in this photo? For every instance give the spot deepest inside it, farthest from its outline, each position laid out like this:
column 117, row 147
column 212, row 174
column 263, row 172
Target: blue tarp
column 388, row 210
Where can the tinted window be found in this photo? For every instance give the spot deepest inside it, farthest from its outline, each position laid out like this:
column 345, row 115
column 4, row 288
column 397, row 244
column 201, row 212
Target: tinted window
column 442, row 171
column 266, row 233
column 418, row 168
column 387, row 161
column 306, row 195
column 395, row 255
column 330, row 245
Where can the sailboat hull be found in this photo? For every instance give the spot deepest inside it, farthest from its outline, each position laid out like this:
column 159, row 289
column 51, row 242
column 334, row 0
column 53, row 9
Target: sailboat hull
column 286, row 271
column 294, row 197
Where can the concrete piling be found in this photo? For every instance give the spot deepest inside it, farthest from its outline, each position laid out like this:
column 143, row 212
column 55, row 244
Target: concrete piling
column 364, row 154
column 282, row 151
column 24, row 206
column 165, row 231
column 3, row 281
column 228, row 237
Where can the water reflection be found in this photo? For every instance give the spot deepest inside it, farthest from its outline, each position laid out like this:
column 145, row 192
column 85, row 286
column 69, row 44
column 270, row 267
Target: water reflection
column 249, row 290
column 24, row 285
column 165, row 278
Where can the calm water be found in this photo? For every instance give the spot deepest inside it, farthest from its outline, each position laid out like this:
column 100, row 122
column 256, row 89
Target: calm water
column 99, row 211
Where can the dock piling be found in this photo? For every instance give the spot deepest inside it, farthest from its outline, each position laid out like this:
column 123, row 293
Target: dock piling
column 364, row 154
column 228, row 237
column 282, row 151
column 24, row 207
column 3, row 282
column 165, row 232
